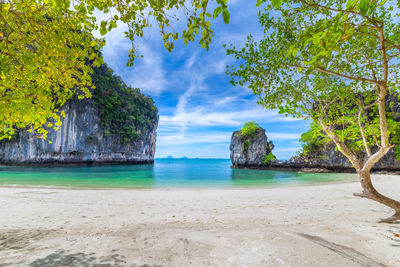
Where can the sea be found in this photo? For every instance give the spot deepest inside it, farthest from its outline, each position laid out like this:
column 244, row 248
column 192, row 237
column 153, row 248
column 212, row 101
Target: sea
column 164, row 173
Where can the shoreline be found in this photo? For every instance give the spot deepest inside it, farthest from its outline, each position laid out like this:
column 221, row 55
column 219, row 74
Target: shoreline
column 313, row 169
column 190, row 187
column 194, row 188
column 56, row 163
column 281, row 226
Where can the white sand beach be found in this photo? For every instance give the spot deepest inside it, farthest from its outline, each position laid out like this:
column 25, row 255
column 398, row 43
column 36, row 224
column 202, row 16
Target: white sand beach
column 318, row 225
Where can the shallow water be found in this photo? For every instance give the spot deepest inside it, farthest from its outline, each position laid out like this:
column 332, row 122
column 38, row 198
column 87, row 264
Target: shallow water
column 165, row 173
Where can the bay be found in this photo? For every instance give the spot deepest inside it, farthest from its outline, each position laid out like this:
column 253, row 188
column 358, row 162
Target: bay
column 165, row 173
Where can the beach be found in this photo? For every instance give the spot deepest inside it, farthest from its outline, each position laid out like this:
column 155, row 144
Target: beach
column 311, row 225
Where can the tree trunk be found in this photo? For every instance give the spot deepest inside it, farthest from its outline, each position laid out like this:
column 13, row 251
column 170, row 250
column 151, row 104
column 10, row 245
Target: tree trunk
column 370, row 192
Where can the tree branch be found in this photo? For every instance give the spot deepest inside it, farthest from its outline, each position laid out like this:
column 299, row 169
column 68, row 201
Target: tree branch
column 360, row 79
column 382, row 94
column 375, row 158
column 367, row 148
column 314, row 4
column 343, row 148
column 370, row 105
column 371, row 68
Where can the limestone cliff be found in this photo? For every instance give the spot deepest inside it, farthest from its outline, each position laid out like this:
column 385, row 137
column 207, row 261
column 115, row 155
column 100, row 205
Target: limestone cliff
column 327, row 156
column 118, row 125
column 249, row 151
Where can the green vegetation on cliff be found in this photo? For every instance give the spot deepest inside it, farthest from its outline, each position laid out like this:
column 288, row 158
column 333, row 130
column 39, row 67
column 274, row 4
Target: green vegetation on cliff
column 395, row 138
column 312, row 141
column 249, row 129
column 268, row 158
column 124, row 111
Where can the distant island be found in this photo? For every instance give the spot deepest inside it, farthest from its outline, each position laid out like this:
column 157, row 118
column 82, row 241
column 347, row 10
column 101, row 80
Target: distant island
column 171, row 157
column 185, row 157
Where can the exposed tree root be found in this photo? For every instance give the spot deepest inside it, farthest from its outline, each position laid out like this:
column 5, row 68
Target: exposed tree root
column 391, row 219
column 360, row 195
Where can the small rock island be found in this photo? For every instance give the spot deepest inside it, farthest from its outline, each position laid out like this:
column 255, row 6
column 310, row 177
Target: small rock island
column 250, row 147
column 117, row 125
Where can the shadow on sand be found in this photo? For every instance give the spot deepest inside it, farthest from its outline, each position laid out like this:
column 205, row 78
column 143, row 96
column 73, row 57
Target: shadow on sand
column 61, row 258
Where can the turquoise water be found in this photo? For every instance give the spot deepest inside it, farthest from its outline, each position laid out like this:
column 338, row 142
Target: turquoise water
column 165, row 173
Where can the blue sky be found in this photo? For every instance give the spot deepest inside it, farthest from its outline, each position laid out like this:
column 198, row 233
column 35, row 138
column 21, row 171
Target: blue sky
column 198, row 107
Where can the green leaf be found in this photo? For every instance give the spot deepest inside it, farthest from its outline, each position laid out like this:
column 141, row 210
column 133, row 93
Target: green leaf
column 103, row 27
column 113, row 24
column 382, row 2
column 364, row 5
column 276, row 3
column 316, row 39
column 350, row 4
column 217, row 11
column 310, row 69
column 225, row 15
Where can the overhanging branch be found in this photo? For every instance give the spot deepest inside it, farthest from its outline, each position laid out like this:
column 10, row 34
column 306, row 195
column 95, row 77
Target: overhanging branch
column 360, row 79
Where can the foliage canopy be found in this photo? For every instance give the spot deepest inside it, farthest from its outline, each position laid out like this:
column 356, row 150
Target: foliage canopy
column 334, row 62
column 43, row 52
column 45, row 46
column 324, row 62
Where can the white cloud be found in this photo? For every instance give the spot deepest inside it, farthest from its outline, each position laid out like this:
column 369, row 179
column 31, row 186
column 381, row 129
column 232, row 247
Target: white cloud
column 148, row 74
column 217, row 137
column 226, row 100
column 200, row 116
column 191, row 61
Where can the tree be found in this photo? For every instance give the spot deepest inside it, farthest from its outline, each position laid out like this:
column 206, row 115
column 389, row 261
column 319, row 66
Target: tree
column 336, row 63
column 47, row 49
column 43, row 52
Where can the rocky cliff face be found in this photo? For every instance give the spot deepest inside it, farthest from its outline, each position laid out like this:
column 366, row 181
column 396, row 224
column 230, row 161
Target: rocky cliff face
column 249, row 151
column 329, row 157
column 84, row 137
column 322, row 153
column 80, row 139
column 251, row 155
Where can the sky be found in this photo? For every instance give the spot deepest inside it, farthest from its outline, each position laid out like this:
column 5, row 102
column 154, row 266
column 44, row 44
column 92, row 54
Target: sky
column 198, row 108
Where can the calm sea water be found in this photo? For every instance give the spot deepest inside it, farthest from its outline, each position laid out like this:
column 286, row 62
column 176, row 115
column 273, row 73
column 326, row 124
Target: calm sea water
column 165, row 173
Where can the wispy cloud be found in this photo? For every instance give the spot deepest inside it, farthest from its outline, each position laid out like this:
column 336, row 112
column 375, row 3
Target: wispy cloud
column 200, row 116
column 198, row 107
column 148, row 73
column 149, row 76
column 214, row 137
